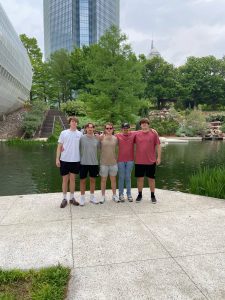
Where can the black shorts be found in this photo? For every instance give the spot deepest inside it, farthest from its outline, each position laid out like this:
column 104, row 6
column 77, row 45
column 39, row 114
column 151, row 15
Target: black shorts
column 93, row 171
column 69, row 167
column 145, row 170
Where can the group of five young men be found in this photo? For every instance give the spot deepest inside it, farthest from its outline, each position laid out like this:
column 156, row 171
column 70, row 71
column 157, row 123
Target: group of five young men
column 78, row 154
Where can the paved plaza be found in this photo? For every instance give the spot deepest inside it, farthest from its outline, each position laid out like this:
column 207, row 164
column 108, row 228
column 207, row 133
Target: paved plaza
column 172, row 250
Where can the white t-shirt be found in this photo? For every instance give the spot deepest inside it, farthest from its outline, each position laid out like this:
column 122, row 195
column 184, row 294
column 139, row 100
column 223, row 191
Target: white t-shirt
column 71, row 145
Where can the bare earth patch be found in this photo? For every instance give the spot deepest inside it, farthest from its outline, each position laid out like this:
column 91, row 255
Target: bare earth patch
column 11, row 126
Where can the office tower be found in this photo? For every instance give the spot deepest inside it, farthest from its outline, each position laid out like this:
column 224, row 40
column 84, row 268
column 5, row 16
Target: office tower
column 69, row 23
column 15, row 68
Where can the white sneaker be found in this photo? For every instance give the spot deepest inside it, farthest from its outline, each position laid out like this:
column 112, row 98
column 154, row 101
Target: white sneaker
column 115, row 198
column 94, row 200
column 82, row 200
column 102, row 200
column 121, row 198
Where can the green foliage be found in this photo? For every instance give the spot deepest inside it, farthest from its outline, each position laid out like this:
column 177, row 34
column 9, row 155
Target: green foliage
column 216, row 117
column 202, row 80
column 194, row 124
column 35, row 55
column 60, row 70
column 34, row 118
column 44, row 284
column 165, row 126
column 160, row 79
column 209, row 182
column 115, row 85
column 74, row 108
column 57, row 130
column 222, row 128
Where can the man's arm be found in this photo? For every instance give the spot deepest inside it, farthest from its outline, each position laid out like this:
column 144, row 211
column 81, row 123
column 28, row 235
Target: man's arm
column 158, row 149
column 58, row 153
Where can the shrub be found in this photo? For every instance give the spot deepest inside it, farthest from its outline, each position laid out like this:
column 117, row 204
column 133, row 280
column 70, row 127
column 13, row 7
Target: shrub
column 222, row 128
column 74, row 108
column 34, row 118
column 194, row 124
column 216, row 117
column 209, row 182
column 165, row 126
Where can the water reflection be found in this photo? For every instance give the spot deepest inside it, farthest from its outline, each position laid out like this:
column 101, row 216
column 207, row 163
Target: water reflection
column 31, row 169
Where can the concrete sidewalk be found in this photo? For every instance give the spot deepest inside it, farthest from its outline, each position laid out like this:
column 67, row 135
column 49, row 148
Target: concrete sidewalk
column 172, row 250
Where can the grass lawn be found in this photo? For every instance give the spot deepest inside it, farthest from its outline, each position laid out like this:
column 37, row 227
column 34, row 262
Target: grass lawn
column 43, row 284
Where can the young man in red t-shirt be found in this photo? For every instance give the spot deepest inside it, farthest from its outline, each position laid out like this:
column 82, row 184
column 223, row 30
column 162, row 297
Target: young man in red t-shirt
column 147, row 144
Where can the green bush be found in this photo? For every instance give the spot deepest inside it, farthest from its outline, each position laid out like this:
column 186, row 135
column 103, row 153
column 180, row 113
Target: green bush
column 222, row 128
column 74, row 108
column 165, row 126
column 57, row 130
column 34, row 118
column 185, row 131
column 216, row 117
column 209, row 182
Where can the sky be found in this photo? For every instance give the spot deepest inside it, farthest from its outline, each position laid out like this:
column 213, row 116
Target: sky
column 179, row 28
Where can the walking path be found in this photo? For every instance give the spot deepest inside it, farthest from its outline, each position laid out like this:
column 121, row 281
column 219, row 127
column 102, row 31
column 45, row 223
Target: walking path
column 172, row 250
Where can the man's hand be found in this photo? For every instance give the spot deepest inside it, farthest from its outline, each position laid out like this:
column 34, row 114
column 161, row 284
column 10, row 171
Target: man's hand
column 158, row 161
column 58, row 163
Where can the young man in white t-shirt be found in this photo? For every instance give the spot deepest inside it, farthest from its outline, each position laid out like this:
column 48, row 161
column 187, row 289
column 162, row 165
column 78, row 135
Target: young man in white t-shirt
column 68, row 159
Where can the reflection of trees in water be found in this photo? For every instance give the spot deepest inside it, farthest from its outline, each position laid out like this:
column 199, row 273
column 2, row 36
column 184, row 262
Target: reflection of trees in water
column 180, row 161
column 31, row 168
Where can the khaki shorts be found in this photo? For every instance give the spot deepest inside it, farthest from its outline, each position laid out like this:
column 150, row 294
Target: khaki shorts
column 108, row 170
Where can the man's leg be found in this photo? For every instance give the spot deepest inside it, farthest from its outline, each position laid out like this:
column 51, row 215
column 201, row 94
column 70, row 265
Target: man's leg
column 72, row 183
column 121, row 173
column 82, row 186
column 113, row 184
column 128, row 170
column 72, row 177
column 151, row 182
column 103, row 185
column 92, row 185
column 140, row 184
column 92, row 190
column 65, row 179
column 139, row 173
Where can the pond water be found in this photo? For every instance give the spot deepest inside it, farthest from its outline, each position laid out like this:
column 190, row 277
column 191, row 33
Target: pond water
column 28, row 169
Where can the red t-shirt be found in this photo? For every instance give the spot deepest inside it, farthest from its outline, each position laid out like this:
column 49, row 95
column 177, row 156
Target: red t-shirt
column 146, row 147
column 126, row 146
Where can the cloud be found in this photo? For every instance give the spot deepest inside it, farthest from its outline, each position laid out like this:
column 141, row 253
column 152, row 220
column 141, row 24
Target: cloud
column 26, row 17
column 180, row 28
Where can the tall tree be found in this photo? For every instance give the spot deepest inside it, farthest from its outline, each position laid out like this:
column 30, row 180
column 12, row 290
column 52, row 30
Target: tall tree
column 160, row 78
column 203, row 79
column 35, row 55
column 115, row 79
column 60, row 68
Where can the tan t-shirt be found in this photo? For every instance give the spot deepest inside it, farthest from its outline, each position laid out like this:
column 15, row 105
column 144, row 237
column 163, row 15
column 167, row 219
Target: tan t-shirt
column 108, row 151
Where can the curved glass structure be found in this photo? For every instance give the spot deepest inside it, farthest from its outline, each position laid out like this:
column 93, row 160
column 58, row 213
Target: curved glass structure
column 15, row 68
column 69, row 23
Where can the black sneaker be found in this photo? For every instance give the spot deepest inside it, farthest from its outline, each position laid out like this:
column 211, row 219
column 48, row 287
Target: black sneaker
column 74, row 202
column 139, row 198
column 153, row 200
column 63, row 204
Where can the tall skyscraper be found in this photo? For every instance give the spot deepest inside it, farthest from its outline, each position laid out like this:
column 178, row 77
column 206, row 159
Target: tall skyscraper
column 69, row 23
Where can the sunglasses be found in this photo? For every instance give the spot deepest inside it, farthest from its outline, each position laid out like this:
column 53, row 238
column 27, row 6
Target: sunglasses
column 109, row 128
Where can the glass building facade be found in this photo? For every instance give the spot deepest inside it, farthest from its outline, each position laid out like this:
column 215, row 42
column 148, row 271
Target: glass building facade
column 69, row 23
column 15, row 68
